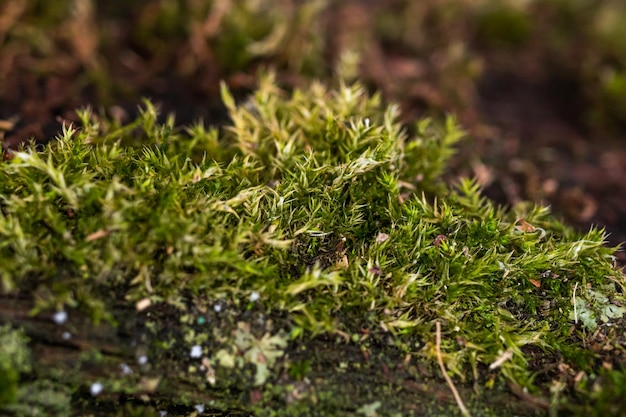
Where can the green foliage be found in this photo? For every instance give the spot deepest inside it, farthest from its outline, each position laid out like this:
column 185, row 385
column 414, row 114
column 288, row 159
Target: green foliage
column 18, row 396
column 14, row 360
column 320, row 204
column 42, row 398
column 609, row 393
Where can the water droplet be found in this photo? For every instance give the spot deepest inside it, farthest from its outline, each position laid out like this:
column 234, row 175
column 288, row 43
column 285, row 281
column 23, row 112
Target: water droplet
column 196, row 351
column 60, row 317
column 126, row 369
column 96, row 388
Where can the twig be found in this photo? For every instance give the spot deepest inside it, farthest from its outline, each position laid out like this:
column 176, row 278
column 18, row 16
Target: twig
column 455, row 393
column 508, row 354
column 574, row 302
column 535, row 402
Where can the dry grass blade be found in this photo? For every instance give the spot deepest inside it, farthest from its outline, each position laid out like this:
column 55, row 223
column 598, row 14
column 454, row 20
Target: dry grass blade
column 455, row 393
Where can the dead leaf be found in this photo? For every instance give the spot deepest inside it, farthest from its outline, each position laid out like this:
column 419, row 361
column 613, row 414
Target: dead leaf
column 523, row 226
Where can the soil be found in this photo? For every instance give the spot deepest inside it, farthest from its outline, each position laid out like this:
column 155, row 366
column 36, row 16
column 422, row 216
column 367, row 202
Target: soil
column 526, row 127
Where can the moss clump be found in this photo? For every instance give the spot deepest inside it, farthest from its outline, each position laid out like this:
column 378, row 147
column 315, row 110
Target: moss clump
column 314, row 215
column 14, row 360
column 38, row 398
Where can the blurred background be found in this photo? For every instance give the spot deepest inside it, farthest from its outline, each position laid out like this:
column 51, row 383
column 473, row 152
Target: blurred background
column 539, row 85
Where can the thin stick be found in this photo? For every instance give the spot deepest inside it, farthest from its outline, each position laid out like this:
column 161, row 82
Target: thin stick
column 574, row 302
column 455, row 393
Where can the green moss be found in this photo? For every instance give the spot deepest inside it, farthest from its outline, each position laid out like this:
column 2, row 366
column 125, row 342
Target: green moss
column 42, row 398
column 608, row 394
column 314, row 216
column 14, row 360
column 19, row 396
